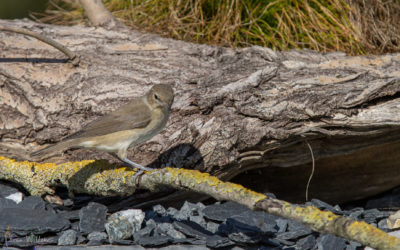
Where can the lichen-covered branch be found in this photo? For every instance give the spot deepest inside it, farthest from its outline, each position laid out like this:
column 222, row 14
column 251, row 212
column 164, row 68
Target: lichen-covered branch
column 90, row 176
column 100, row 178
column 329, row 222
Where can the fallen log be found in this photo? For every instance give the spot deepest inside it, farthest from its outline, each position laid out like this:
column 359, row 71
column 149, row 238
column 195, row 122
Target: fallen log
column 242, row 114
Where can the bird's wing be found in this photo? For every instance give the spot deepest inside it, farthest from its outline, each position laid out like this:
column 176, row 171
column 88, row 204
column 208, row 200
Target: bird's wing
column 135, row 114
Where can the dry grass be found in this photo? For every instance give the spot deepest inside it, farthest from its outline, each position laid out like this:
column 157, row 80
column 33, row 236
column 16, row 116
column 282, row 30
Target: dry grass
column 61, row 12
column 377, row 24
column 355, row 27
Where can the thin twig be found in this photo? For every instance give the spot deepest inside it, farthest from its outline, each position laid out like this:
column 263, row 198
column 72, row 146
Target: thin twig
column 312, row 170
column 74, row 58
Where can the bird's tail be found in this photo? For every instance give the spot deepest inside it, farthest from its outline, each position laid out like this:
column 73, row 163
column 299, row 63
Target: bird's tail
column 52, row 150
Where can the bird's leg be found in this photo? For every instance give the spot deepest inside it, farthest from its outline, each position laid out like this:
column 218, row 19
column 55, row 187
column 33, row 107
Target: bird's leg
column 122, row 155
column 133, row 164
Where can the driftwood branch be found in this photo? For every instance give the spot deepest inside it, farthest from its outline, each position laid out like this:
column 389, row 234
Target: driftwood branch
column 71, row 55
column 100, row 179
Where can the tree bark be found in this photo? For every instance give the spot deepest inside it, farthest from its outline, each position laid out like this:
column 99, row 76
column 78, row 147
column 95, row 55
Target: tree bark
column 245, row 113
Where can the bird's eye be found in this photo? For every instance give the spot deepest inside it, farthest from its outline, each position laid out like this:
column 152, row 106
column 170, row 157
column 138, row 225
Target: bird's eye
column 156, row 97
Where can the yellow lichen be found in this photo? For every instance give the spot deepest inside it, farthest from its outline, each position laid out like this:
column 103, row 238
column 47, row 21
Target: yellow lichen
column 195, row 177
column 366, row 231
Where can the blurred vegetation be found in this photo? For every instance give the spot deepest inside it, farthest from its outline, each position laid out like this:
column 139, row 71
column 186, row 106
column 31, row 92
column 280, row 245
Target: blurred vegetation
column 353, row 26
column 11, row 9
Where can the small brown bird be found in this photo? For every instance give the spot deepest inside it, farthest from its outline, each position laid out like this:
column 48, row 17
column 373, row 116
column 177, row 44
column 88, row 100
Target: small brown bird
column 136, row 122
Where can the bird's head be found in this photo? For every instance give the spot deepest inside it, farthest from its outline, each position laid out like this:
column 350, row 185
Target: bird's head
column 160, row 96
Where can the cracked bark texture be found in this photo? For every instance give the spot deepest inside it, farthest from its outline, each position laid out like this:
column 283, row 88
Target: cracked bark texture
column 240, row 114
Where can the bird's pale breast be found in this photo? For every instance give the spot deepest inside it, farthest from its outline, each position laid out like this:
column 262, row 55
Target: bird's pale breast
column 124, row 139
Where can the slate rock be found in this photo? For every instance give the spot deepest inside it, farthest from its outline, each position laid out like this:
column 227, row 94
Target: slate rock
column 124, row 242
column 321, row 205
column 253, row 221
column 217, row 241
column 100, row 236
column 192, row 229
column 80, row 239
column 295, row 230
column 31, row 241
column 16, row 197
column 92, row 218
column 50, row 208
column 147, row 231
column 75, row 226
column 245, row 238
column 118, row 231
column 168, row 230
column 350, row 247
column 150, row 214
column 97, row 236
column 151, row 222
column 32, row 202
column 159, row 216
column 373, row 215
column 285, row 242
column 221, row 212
column 212, row 227
column 294, row 226
column 25, row 221
column 382, row 224
column 154, row 241
column 171, row 211
column 293, row 235
column 103, row 247
column 159, row 210
column 189, row 211
column 200, row 205
column 94, row 243
column 306, row 243
column 331, row 242
column 192, row 241
column 7, row 203
column 67, row 238
column 338, row 210
column 282, row 225
column 184, row 247
column 69, row 215
column 356, row 215
column 122, row 224
column 354, row 246
column 271, row 242
column 10, row 193
column 199, row 219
